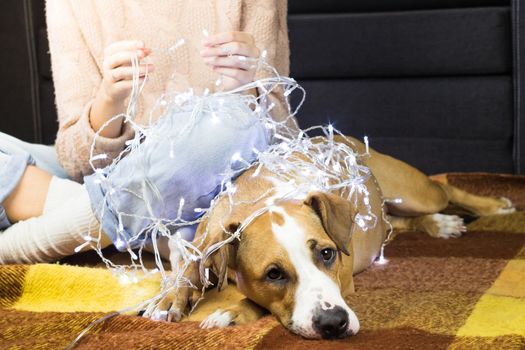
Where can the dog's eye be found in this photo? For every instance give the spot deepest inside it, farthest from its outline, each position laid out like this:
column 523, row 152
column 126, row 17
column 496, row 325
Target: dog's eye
column 275, row 274
column 327, row 255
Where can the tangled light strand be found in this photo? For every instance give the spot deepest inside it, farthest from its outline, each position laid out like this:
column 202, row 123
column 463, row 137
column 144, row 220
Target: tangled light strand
column 325, row 165
column 171, row 102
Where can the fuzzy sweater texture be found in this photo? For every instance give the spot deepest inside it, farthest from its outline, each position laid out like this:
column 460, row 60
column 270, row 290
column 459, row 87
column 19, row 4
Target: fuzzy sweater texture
column 79, row 30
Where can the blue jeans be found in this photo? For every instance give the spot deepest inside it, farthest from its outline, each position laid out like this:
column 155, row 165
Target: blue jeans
column 179, row 162
column 44, row 157
column 15, row 155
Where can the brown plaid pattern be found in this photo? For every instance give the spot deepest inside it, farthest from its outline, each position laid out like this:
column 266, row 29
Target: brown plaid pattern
column 466, row 293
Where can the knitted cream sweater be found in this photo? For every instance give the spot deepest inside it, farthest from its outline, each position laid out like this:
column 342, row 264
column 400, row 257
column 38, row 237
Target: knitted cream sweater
column 79, row 30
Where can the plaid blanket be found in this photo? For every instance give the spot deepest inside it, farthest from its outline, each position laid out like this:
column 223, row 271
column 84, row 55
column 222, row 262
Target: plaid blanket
column 466, row 293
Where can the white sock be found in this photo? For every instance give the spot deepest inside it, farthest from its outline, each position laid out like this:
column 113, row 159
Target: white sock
column 60, row 191
column 55, row 234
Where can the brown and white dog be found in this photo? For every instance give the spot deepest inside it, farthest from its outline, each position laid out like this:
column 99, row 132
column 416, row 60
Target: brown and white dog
column 297, row 260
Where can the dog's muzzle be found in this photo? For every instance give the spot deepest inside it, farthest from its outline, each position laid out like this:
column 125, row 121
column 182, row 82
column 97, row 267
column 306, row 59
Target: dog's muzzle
column 331, row 323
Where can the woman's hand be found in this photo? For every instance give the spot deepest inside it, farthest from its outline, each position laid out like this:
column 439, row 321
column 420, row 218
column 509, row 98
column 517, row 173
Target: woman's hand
column 117, row 83
column 232, row 54
column 117, row 71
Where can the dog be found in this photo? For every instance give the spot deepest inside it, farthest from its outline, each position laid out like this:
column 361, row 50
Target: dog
column 297, row 259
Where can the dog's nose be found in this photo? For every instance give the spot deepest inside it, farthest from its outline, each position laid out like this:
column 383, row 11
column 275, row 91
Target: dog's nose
column 331, row 323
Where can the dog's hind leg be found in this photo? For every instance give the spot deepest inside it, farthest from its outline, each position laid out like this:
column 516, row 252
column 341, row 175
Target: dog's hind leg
column 478, row 205
column 436, row 225
column 421, row 195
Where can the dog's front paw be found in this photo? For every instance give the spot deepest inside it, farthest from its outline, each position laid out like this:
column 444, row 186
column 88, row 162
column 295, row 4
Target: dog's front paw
column 170, row 308
column 240, row 313
column 219, row 319
column 166, row 314
column 442, row 226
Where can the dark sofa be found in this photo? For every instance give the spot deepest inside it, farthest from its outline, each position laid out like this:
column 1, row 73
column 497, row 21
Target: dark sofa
column 437, row 83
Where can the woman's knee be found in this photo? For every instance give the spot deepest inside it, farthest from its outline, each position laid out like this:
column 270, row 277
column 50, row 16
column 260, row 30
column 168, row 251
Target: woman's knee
column 28, row 197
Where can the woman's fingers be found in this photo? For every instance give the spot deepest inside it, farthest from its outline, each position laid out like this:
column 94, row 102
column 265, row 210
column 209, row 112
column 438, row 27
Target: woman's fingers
column 117, row 70
column 125, row 85
column 122, row 88
column 126, row 72
column 124, row 58
column 232, row 55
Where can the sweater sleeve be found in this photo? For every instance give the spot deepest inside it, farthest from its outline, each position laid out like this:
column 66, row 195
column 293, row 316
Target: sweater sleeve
column 266, row 21
column 76, row 78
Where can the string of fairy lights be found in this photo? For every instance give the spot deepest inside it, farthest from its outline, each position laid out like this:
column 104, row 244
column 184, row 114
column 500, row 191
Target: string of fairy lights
column 325, row 165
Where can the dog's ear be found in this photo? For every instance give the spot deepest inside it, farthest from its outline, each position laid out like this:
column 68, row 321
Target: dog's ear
column 336, row 216
column 224, row 257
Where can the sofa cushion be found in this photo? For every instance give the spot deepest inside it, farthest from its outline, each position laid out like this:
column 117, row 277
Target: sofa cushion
column 337, row 6
column 467, row 121
column 439, row 42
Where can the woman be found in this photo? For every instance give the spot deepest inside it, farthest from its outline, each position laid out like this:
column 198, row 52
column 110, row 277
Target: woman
column 91, row 44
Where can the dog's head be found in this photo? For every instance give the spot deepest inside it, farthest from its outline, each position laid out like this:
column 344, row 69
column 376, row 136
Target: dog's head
column 294, row 260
